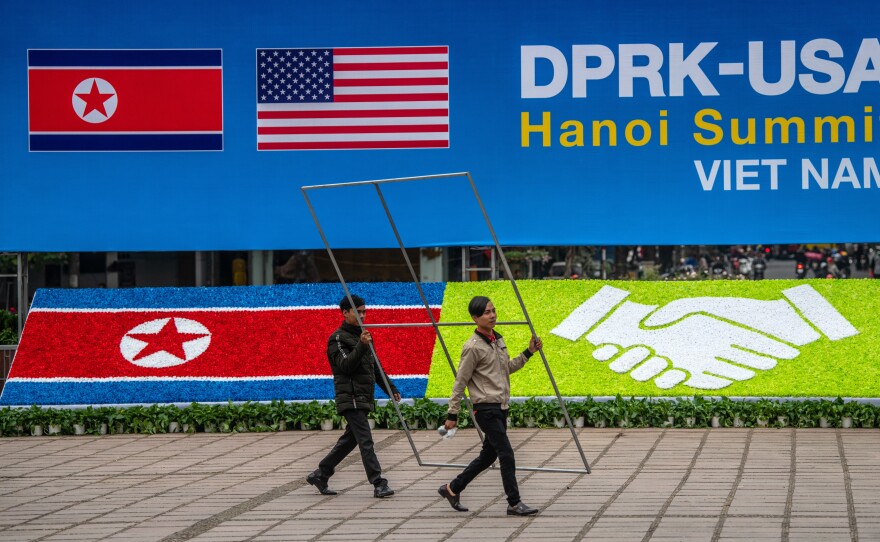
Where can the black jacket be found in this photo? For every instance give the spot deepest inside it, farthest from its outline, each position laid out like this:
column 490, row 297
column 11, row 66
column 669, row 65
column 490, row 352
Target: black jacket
column 355, row 371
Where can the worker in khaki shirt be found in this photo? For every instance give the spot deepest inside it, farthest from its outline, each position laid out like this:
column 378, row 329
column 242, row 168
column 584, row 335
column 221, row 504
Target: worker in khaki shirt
column 485, row 369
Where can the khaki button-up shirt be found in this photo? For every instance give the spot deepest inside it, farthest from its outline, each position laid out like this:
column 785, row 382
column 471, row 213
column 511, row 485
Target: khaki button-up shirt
column 485, row 369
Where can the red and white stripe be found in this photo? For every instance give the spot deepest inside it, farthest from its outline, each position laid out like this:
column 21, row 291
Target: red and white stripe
column 384, row 98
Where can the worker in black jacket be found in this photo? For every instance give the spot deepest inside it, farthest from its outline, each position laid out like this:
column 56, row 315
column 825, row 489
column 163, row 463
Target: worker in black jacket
column 355, row 373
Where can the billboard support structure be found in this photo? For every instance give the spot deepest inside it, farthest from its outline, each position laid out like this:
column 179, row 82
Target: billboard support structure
column 434, row 323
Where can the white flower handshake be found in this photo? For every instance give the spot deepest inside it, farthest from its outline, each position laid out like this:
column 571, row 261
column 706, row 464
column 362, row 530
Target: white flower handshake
column 705, row 342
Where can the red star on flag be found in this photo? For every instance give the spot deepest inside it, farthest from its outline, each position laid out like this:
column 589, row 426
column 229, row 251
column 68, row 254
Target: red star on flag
column 168, row 339
column 94, row 100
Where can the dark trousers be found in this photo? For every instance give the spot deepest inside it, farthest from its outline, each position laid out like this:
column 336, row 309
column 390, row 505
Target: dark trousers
column 493, row 421
column 357, row 433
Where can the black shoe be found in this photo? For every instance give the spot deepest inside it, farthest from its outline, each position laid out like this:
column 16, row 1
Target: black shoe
column 453, row 499
column 382, row 490
column 320, row 484
column 521, row 509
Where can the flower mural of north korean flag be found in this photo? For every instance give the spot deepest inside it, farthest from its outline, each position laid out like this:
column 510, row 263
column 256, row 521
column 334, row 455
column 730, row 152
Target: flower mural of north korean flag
column 125, row 100
column 178, row 345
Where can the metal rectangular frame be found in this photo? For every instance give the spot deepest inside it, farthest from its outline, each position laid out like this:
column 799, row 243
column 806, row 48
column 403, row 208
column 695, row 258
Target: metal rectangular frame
column 436, row 325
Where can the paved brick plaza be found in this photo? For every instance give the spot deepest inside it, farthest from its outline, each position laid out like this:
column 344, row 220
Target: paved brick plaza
column 647, row 484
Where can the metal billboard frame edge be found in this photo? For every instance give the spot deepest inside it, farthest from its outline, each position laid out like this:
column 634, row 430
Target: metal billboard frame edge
column 434, row 324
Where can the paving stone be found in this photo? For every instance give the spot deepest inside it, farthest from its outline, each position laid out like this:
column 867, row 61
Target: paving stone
column 682, row 485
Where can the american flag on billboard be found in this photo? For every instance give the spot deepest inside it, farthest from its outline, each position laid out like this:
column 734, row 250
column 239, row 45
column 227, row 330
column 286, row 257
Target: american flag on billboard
column 353, row 98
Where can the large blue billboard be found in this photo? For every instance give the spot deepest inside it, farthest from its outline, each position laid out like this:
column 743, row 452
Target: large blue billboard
column 191, row 125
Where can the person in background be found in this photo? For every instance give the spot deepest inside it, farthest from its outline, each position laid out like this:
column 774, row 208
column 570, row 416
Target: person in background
column 874, row 263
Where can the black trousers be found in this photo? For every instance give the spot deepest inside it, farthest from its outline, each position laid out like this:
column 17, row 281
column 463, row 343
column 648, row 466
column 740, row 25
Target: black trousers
column 357, row 434
column 493, row 421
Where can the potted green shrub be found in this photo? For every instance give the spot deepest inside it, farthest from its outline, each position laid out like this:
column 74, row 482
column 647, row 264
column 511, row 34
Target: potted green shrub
column 515, row 415
column 659, row 413
column 723, row 412
column 408, row 413
column 59, row 419
column 187, row 420
column 427, row 411
column 577, row 411
column 704, row 410
column 34, row 419
column 804, row 414
column 741, row 413
column 85, row 421
column 638, row 412
column 602, row 413
column 764, row 410
column 231, row 418
column 849, row 413
column 831, row 413
column 533, row 409
column 310, row 416
column 685, row 412
column 329, row 416
column 208, row 417
column 10, row 422
column 257, row 417
column 374, row 418
column 162, row 417
column 554, row 412
column 789, row 413
column 864, row 415
column 386, row 416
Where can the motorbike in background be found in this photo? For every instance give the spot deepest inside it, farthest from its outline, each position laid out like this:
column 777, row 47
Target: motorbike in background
column 759, row 266
column 718, row 270
column 844, row 262
column 744, row 267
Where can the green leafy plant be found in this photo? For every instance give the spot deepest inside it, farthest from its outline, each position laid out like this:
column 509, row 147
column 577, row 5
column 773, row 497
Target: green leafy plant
column 312, row 414
column 832, row 411
column 427, row 412
column 685, row 413
column 90, row 419
column 741, row 413
column 534, row 412
column 268, row 417
column 10, row 422
column 765, row 410
column 187, row 420
column 35, row 417
column 657, row 413
column 515, row 414
column 8, row 326
column 206, row 417
column 724, row 410
column 862, row 415
column 290, row 413
column 803, row 413
column 789, row 412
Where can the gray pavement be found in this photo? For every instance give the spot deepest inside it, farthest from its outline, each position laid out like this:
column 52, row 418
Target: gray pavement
column 647, row 484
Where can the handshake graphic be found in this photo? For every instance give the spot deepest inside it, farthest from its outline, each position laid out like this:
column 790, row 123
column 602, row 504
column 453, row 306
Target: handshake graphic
column 705, row 342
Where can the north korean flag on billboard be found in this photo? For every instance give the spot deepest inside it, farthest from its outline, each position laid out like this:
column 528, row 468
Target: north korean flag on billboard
column 178, row 345
column 125, row 100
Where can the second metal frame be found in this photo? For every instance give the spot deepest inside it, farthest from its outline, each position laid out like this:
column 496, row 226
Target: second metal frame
column 434, row 323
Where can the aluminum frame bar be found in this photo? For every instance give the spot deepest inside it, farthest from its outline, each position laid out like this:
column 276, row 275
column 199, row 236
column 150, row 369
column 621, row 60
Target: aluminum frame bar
column 436, row 325
column 440, row 324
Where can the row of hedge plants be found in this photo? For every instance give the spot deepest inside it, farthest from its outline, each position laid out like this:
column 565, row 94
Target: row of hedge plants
column 696, row 412
column 426, row 414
